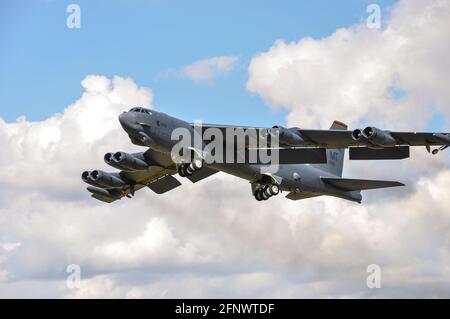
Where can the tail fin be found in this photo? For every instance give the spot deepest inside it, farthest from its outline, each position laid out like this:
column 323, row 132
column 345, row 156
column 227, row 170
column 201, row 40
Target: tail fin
column 335, row 157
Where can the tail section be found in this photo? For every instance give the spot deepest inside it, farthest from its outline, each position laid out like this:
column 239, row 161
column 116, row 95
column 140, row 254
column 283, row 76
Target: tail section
column 335, row 157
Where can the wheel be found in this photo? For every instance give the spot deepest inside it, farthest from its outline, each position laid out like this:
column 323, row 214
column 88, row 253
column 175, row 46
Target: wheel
column 274, row 190
column 264, row 195
column 258, row 196
column 189, row 171
column 197, row 164
column 435, row 151
column 266, row 191
column 181, row 171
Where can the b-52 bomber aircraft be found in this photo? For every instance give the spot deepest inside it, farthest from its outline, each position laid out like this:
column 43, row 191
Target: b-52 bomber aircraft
column 309, row 161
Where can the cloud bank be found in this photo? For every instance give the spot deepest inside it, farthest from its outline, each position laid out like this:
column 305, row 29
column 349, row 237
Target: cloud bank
column 394, row 76
column 212, row 239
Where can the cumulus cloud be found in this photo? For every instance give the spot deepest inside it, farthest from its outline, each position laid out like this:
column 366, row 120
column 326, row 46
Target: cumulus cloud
column 44, row 156
column 211, row 239
column 395, row 76
column 208, row 69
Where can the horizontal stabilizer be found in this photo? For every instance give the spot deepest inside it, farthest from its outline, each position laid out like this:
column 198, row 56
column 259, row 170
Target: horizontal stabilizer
column 359, row 184
column 164, row 184
column 388, row 153
column 200, row 174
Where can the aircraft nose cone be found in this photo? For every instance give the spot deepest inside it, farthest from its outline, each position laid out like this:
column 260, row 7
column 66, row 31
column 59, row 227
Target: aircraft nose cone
column 123, row 118
column 127, row 121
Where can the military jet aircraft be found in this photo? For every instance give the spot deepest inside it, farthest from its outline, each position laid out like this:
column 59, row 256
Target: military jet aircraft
column 309, row 161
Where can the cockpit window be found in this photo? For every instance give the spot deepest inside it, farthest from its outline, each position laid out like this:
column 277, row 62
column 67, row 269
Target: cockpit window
column 140, row 110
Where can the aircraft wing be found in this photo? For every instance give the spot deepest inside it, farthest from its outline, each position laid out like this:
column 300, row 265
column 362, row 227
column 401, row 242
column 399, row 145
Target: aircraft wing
column 158, row 179
column 156, row 174
column 370, row 143
column 344, row 139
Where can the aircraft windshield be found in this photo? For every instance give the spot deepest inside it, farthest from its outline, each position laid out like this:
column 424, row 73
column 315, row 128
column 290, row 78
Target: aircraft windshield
column 140, row 110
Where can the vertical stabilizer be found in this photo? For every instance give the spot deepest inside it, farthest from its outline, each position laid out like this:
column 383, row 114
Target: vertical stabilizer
column 335, row 157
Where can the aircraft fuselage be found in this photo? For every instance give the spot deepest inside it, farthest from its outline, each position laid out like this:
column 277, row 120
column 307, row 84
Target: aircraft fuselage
column 154, row 130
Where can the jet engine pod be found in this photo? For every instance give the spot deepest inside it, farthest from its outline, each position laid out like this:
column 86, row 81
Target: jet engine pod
column 86, row 177
column 106, row 180
column 108, row 158
column 128, row 162
column 379, row 137
column 287, row 136
column 359, row 137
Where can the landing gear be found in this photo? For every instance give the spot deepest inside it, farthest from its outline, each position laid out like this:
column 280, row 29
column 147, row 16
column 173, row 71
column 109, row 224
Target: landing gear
column 182, row 171
column 267, row 191
column 196, row 164
column 258, row 196
column 188, row 169
column 273, row 190
column 440, row 149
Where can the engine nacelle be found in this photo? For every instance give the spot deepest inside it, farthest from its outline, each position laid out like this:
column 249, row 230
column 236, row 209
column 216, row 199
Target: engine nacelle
column 288, row 136
column 106, row 180
column 358, row 136
column 86, row 177
column 129, row 162
column 379, row 137
column 125, row 161
column 108, row 158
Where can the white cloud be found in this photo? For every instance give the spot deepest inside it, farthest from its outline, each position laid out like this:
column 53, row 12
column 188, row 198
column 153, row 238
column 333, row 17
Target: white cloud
column 351, row 74
column 156, row 245
column 212, row 239
column 208, row 69
column 45, row 155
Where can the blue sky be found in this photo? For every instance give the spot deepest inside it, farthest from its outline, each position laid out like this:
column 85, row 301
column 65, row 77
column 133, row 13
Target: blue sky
column 42, row 61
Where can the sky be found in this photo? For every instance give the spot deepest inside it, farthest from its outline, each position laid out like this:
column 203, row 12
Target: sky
column 231, row 62
column 148, row 41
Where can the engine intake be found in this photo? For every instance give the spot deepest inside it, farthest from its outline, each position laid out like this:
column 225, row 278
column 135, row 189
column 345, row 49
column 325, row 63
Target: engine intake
column 287, row 136
column 86, row 177
column 108, row 158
